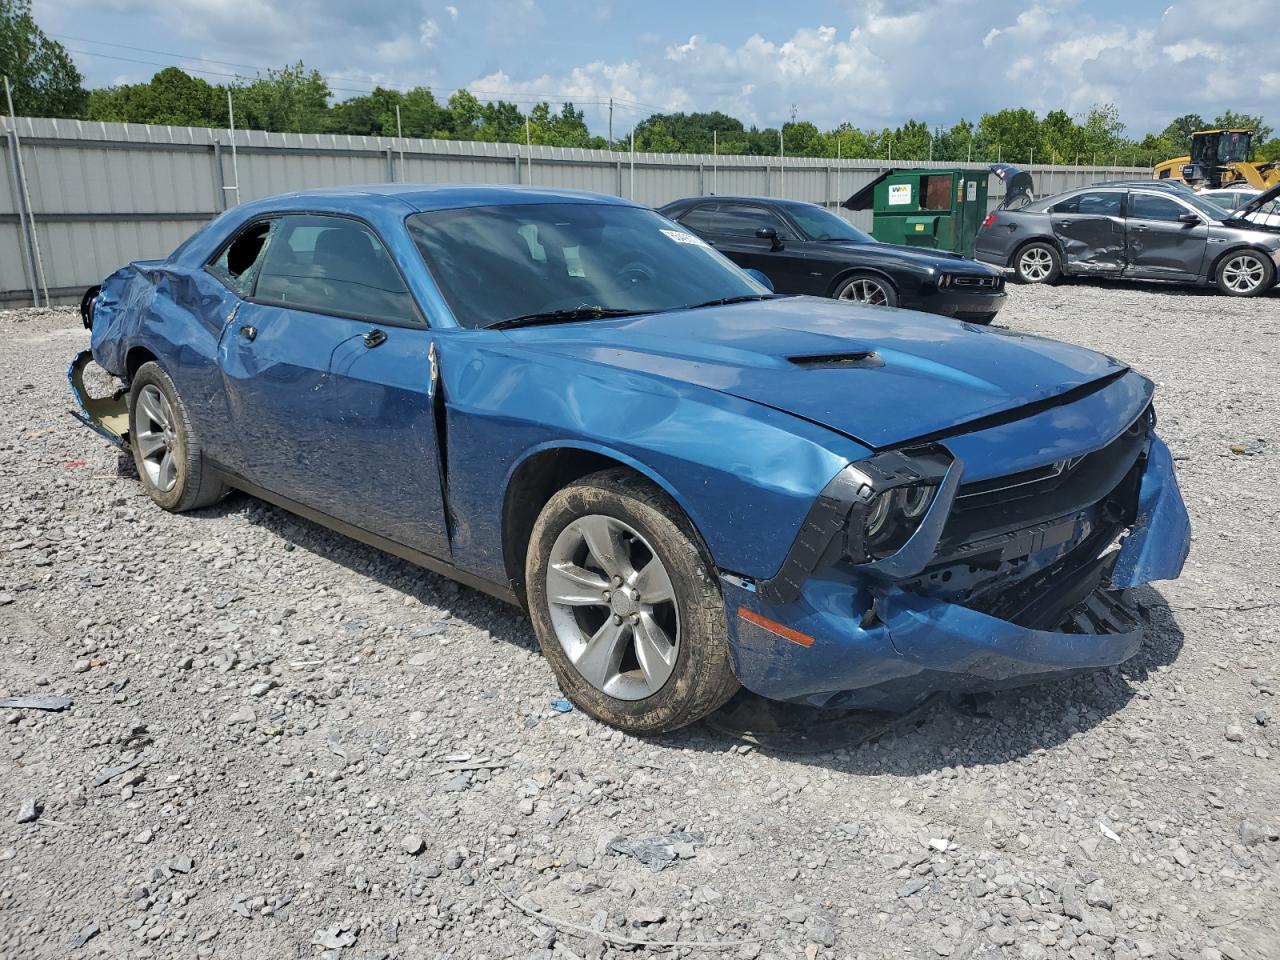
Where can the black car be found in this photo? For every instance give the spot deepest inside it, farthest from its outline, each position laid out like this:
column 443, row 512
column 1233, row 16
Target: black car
column 804, row 248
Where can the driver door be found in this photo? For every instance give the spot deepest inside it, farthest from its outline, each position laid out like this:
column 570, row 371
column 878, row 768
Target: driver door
column 1091, row 231
column 1162, row 246
column 328, row 375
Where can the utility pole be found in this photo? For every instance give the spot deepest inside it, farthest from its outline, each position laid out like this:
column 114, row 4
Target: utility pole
column 782, row 170
column 400, row 137
column 611, row 123
column 632, row 194
column 528, row 145
column 20, row 169
column 715, row 162
column 235, row 164
column 931, row 148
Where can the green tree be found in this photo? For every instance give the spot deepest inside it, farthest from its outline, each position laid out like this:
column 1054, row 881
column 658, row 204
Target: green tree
column 1011, row 134
column 912, row 141
column 1102, row 134
column 803, row 139
column 1178, row 133
column 292, row 99
column 44, row 80
column 1230, row 120
column 850, row 143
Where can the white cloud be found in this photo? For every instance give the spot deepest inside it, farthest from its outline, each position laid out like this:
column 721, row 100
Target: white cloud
column 429, row 32
column 452, row 11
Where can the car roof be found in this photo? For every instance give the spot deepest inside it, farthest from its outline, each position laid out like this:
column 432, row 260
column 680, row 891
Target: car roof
column 740, row 198
column 424, row 197
column 1167, row 186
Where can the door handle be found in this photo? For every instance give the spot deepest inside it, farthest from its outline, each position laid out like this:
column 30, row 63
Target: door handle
column 249, row 332
column 374, row 337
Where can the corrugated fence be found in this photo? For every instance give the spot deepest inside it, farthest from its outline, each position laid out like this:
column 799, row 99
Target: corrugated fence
column 82, row 198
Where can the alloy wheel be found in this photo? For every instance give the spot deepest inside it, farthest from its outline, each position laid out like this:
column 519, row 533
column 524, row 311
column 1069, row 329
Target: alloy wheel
column 613, row 607
column 1244, row 273
column 1035, row 264
column 157, row 441
column 865, row 290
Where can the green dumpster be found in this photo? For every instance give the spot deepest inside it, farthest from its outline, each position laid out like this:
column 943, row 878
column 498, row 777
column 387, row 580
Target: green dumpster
column 938, row 209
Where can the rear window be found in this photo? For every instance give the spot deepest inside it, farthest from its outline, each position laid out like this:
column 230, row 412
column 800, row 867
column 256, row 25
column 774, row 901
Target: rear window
column 1101, row 204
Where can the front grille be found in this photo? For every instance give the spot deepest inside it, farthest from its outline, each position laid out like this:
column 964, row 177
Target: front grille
column 990, row 510
column 984, row 284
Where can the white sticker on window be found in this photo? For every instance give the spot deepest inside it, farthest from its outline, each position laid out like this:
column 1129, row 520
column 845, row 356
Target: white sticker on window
column 680, row 236
column 899, row 194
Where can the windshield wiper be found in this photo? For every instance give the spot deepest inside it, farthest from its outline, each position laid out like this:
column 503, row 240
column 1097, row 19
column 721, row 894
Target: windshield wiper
column 724, row 301
column 561, row 316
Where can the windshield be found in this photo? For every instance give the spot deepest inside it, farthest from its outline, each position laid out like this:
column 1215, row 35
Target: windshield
column 499, row 263
column 1204, row 206
column 822, row 224
column 1233, row 148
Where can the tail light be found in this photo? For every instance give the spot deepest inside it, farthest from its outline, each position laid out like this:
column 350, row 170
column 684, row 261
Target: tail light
column 991, row 219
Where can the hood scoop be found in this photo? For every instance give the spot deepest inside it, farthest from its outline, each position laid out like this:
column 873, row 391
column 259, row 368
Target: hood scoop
column 866, row 359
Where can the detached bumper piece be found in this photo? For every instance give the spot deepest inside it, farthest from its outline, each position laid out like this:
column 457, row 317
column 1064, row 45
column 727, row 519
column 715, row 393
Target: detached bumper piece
column 962, row 606
column 108, row 416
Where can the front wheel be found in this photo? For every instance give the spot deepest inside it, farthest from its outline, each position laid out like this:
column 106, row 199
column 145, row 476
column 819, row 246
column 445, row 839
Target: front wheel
column 869, row 289
column 1245, row 274
column 166, row 449
column 1038, row 263
column 627, row 610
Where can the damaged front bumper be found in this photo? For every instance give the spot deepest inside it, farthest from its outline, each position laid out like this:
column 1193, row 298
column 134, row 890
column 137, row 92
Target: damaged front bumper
column 871, row 641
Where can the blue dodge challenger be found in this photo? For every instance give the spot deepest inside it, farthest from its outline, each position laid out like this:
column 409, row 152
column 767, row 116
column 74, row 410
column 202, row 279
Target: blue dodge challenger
column 691, row 483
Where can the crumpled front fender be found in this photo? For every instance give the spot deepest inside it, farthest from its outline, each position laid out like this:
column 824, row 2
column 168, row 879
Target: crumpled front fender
column 1157, row 546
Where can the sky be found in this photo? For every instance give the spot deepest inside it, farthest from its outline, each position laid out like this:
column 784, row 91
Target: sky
column 872, row 63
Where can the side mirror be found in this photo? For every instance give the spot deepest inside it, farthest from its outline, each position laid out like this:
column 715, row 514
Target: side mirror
column 1189, row 218
column 770, row 234
column 759, row 277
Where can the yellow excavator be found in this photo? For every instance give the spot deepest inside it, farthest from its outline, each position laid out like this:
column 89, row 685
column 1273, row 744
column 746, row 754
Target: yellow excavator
column 1219, row 158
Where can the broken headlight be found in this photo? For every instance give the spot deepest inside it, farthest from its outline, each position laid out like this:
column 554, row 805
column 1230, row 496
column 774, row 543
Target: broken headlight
column 893, row 496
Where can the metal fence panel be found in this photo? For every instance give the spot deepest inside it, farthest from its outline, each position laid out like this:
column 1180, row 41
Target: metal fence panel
column 103, row 194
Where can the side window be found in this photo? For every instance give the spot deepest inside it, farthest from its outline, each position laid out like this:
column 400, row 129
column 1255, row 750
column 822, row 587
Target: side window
column 743, row 220
column 701, row 218
column 1092, row 204
column 334, row 265
column 238, row 264
column 1147, row 207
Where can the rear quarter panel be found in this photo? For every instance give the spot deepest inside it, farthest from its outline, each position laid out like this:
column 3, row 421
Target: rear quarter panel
column 176, row 314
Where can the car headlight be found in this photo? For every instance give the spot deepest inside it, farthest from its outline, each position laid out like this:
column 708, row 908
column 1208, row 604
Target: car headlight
column 893, row 496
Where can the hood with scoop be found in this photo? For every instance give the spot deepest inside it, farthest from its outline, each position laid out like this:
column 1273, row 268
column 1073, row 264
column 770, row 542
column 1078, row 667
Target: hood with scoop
column 877, row 375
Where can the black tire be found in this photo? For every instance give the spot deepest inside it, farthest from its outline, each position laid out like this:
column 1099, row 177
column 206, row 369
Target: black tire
column 1236, row 272
column 194, row 484
column 981, row 319
column 845, row 288
column 702, row 679
column 1030, row 264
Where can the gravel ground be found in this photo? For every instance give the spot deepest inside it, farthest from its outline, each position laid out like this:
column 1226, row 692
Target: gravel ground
column 285, row 744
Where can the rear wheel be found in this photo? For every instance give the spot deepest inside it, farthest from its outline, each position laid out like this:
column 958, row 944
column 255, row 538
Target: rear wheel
column 1038, row 263
column 166, row 449
column 626, row 608
column 1245, row 273
column 867, row 288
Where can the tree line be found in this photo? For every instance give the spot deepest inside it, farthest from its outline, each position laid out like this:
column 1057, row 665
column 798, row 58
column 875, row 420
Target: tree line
column 295, row 99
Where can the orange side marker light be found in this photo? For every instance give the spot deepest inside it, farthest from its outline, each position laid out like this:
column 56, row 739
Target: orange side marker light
column 777, row 629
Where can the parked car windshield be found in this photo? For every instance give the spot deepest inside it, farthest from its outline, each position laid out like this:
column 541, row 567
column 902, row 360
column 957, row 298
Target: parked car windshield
column 498, row 263
column 822, row 224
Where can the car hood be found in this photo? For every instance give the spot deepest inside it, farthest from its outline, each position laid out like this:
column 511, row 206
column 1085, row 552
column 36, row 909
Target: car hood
column 898, row 253
column 877, row 375
column 1256, row 203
